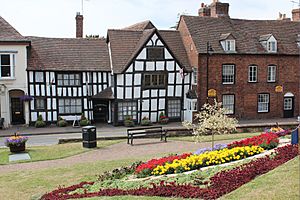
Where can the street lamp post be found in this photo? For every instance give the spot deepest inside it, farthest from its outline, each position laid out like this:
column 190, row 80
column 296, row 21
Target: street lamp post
column 209, row 52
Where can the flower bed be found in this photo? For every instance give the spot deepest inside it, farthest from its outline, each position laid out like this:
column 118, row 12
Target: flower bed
column 145, row 169
column 220, row 184
column 265, row 140
column 206, row 159
column 16, row 143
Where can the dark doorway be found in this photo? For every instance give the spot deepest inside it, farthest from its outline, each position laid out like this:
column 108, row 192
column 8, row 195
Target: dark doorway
column 17, row 113
column 288, row 107
column 100, row 109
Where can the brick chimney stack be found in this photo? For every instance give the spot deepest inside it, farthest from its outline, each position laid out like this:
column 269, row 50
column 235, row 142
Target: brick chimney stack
column 296, row 14
column 218, row 9
column 204, row 10
column 79, row 25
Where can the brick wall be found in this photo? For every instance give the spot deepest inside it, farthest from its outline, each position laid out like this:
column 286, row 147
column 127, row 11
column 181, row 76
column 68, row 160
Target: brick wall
column 246, row 94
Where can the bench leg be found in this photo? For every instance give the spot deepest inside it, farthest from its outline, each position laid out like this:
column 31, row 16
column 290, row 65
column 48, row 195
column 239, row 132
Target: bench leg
column 128, row 139
column 131, row 140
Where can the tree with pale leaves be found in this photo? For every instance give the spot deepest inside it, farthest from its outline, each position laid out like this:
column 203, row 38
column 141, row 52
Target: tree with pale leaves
column 211, row 120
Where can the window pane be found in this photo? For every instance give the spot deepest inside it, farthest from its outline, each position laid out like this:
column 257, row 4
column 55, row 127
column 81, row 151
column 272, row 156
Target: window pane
column 155, row 53
column 228, row 103
column 5, row 60
column 228, row 74
column 174, row 108
column 263, row 102
column 39, row 77
column 5, row 71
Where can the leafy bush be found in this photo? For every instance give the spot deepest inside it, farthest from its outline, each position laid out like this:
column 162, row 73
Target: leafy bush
column 62, row 123
column 40, row 122
column 146, row 121
column 128, row 121
column 163, row 119
column 84, row 122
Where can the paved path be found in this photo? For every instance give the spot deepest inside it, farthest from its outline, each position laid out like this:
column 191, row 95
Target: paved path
column 118, row 151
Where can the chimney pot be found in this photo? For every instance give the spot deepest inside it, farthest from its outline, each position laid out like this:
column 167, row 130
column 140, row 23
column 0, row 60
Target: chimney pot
column 219, row 9
column 79, row 25
column 202, row 5
column 296, row 14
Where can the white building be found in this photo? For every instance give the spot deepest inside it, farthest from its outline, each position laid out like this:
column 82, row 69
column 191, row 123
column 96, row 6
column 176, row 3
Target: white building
column 13, row 79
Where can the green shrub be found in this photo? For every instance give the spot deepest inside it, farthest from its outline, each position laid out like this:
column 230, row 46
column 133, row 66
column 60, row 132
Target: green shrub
column 146, row 121
column 84, row 122
column 40, row 122
column 128, row 121
column 62, row 123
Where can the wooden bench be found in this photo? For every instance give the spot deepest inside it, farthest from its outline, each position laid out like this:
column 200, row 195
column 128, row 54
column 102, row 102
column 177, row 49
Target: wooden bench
column 144, row 132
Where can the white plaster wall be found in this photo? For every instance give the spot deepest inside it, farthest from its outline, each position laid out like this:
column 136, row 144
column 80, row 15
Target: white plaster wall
column 18, row 82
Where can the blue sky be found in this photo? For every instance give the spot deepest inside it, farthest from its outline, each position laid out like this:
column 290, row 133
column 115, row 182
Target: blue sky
column 56, row 18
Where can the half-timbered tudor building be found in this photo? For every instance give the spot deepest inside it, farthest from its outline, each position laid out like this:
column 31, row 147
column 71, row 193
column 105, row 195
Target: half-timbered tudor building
column 151, row 73
column 64, row 75
column 13, row 79
column 251, row 66
column 137, row 71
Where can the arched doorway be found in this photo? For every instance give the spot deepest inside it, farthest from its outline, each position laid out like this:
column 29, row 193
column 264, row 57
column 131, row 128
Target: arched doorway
column 16, row 107
column 288, row 105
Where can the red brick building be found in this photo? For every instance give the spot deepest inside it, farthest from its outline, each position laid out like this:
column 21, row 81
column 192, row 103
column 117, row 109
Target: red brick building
column 251, row 66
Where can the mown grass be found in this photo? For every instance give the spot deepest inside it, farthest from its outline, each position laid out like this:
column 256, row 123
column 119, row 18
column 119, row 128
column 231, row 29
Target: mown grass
column 53, row 152
column 208, row 138
column 279, row 184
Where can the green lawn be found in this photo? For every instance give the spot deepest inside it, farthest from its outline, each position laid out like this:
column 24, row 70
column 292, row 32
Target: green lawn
column 208, row 138
column 279, row 184
column 54, row 151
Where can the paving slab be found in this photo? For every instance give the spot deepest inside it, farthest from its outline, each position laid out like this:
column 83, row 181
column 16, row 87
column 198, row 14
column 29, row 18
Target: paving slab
column 18, row 157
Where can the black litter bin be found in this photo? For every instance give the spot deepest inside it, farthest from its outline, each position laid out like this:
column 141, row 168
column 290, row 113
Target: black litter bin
column 295, row 136
column 89, row 139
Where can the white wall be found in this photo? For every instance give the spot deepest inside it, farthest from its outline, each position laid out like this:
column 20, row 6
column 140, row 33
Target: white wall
column 19, row 81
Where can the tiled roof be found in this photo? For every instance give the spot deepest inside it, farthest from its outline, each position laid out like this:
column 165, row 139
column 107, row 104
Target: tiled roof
column 8, row 33
column 140, row 26
column 246, row 32
column 126, row 43
column 107, row 93
column 72, row 54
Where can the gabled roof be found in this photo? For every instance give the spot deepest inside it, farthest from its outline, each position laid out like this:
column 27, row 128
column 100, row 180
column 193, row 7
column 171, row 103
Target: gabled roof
column 247, row 33
column 225, row 36
column 140, row 26
column 125, row 44
column 265, row 37
column 9, row 34
column 107, row 93
column 72, row 54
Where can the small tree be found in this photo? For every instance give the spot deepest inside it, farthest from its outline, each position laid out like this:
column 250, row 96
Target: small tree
column 211, row 120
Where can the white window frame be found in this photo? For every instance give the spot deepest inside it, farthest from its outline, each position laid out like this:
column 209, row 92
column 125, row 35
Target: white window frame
column 272, row 46
column 288, row 103
column 228, row 75
column 174, row 108
column 70, row 106
column 263, row 103
column 127, row 108
column 12, row 62
column 252, row 74
column 272, row 73
column 228, row 102
column 228, row 45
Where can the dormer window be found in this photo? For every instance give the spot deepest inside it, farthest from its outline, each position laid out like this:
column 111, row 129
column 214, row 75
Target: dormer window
column 228, row 42
column 269, row 42
column 272, row 46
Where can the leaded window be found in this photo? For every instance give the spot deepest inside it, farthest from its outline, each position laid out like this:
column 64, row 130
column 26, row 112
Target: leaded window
column 39, row 77
column 68, row 79
column 155, row 80
column 263, row 102
column 174, row 108
column 127, row 109
column 70, row 106
column 155, row 53
column 228, row 74
column 228, row 103
column 40, row 103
